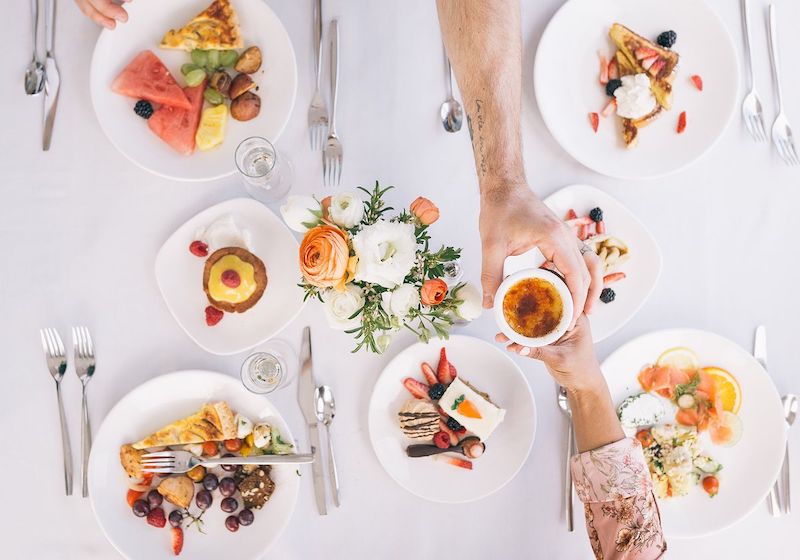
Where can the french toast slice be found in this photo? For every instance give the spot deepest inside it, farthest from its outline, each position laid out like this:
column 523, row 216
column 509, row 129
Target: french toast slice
column 630, row 127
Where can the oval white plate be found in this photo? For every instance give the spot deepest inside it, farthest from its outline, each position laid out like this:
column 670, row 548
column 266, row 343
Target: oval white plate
column 490, row 370
column 179, row 275
column 277, row 85
column 142, row 411
column 567, row 89
column 642, row 269
column 744, row 482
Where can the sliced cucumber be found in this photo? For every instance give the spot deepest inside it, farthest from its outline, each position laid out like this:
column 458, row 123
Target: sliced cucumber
column 736, row 427
column 228, row 58
column 707, row 464
column 199, row 57
column 195, row 77
column 213, row 96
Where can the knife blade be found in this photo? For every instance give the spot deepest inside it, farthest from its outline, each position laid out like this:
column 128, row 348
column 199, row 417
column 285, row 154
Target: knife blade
column 305, row 398
column 760, row 354
column 52, row 80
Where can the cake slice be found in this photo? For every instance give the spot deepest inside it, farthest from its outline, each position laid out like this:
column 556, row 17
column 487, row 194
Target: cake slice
column 213, row 422
column 216, row 27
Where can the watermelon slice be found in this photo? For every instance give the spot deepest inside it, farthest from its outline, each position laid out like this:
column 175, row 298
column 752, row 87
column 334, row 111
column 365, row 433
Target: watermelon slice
column 146, row 77
column 177, row 127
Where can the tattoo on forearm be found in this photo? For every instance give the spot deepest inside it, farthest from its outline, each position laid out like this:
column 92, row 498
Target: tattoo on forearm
column 476, row 135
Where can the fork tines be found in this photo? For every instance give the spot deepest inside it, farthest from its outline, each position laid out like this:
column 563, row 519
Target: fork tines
column 82, row 341
column 785, row 146
column 754, row 119
column 332, row 162
column 317, row 122
column 51, row 343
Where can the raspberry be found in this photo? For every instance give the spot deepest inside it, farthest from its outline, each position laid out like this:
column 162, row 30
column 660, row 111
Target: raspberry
column 198, row 249
column 156, row 517
column 213, row 315
column 441, row 440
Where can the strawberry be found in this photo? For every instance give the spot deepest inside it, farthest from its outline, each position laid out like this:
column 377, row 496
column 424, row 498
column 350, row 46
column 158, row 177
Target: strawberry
column 656, row 67
column 132, row 496
column 644, row 52
column 613, row 277
column 609, row 109
column 584, row 221
column 463, row 463
column 681, row 122
column 213, row 315
column 613, row 70
column 648, row 62
column 441, row 440
column 446, row 429
column 600, row 227
column 603, row 69
column 418, row 389
column 594, row 118
column 583, row 232
column 445, row 372
column 427, row 371
column 147, row 478
column 698, row 82
column 177, row 540
column 156, row 517
column 198, row 249
column 571, row 214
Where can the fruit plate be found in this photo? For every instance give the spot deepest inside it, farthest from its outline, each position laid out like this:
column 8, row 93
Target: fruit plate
column 642, row 269
column 488, row 369
column 744, row 482
column 145, row 409
column 179, row 275
column 277, row 83
column 566, row 72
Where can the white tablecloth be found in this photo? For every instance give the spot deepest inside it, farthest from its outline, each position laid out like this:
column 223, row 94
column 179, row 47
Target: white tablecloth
column 80, row 226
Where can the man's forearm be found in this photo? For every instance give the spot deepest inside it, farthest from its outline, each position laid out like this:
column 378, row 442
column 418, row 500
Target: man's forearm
column 484, row 43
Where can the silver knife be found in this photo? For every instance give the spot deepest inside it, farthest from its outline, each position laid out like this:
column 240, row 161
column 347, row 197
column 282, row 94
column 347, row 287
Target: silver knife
column 760, row 354
column 52, row 81
column 305, row 397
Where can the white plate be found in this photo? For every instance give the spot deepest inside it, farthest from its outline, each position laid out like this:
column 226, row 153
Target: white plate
column 567, row 89
column 180, row 278
column 144, row 410
column 642, row 269
column 750, row 466
column 490, row 370
column 277, row 85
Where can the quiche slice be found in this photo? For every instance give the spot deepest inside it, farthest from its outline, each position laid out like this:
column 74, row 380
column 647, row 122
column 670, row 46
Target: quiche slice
column 213, row 422
column 216, row 27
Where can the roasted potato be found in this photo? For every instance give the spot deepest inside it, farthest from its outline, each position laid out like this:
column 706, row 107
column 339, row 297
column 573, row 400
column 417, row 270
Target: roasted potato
column 131, row 460
column 177, row 490
column 249, row 61
column 221, row 81
column 241, row 84
column 246, row 106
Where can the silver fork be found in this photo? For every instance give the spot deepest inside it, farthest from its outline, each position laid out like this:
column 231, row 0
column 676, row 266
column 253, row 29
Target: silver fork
column 332, row 156
column 84, row 369
column 183, row 461
column 781, row 131
column 752, row 113
column 57, row 364
column 317, row 111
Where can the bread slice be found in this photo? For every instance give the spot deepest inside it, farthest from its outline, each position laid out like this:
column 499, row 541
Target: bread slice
column 216, row 27
column 630, row 127
column 214, row 422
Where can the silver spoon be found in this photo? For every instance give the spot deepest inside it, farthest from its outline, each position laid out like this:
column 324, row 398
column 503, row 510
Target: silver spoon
column 790, row 405
column 451, row 112
column 563, row 404
column 34, row 74
column 326, row 409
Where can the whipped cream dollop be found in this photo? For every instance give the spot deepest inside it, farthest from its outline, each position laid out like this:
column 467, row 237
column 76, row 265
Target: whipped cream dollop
column 635, row 98
column 224, row 232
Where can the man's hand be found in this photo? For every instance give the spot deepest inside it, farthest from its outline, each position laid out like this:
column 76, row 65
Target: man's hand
column 513, row 221
column 104, row 12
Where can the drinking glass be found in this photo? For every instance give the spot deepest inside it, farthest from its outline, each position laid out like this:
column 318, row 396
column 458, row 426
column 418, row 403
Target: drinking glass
column 271, row 368
column 453, row 272
column 267, row 173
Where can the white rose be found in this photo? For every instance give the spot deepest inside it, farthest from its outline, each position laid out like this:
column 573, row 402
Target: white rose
column 471, row 305
column 400, row 301
column 299, row 210
column 386, row 252
column 346, row 209
column 340, row 306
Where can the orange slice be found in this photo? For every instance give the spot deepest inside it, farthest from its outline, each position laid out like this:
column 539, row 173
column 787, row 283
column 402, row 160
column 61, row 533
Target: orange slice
column 727, row 388
column 468, row 409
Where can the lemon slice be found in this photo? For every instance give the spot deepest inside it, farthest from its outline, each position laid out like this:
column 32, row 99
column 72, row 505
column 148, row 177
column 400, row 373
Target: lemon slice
column 211, row 131
column 679, row 357
column 727, row 388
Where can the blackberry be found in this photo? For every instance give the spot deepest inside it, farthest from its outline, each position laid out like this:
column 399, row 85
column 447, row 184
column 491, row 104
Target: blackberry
column 436, row 391
column 667, row 39
column 453, row 424
column 607, row 295
column 612, row 86
column 143, row 109
column 596, row 214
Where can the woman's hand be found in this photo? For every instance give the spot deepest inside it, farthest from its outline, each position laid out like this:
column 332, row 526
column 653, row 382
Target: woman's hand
column 103, row 12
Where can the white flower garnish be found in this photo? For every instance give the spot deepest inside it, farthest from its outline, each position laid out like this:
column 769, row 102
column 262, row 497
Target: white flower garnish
column 340, row 306
column 386, row 252
column 346, row 209
column 299, row 211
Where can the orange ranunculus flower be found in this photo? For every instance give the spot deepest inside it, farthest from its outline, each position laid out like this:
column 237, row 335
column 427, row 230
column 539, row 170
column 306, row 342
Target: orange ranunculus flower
column 324, row 257
column 326, row 204
column 425, row 210
column 433, row 292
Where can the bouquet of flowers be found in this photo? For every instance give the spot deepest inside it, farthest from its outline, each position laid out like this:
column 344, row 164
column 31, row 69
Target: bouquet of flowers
column 374, row 273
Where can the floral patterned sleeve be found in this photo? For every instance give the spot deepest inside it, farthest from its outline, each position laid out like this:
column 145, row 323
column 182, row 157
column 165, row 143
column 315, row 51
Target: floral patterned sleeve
column 622, row 517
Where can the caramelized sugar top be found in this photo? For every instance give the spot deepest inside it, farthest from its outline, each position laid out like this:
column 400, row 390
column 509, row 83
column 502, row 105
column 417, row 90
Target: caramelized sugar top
column 533, row 307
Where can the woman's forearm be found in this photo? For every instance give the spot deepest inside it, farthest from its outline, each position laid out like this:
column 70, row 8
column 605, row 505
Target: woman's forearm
column 593, row 415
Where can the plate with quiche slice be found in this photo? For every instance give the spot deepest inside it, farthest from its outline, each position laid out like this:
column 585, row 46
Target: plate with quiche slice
column 181, row 84
column 636, row 88
column 204, row 513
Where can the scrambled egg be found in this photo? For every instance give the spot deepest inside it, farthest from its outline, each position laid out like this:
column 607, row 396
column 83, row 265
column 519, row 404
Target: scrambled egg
column 676, row 461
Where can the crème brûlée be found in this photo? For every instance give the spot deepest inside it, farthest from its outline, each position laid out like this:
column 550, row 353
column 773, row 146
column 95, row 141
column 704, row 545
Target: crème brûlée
column 234, row 279
column 471, row 409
